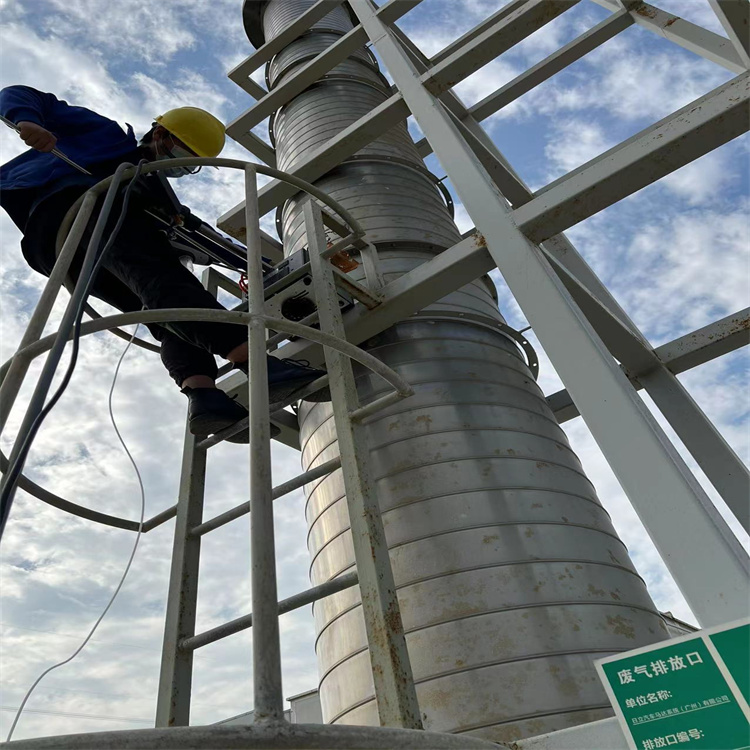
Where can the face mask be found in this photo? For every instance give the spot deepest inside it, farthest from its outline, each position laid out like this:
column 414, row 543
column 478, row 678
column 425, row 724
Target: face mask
column 175, row 153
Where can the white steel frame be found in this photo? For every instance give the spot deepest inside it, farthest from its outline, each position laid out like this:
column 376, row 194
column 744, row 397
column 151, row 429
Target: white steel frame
column 600, row 355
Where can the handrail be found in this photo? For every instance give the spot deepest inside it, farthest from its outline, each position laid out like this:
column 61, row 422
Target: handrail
column 402, row 389
column 96, row 190
column 24, row 355
column 203, row 315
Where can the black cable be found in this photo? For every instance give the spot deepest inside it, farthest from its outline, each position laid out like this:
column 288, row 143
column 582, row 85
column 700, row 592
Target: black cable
column 15, row 470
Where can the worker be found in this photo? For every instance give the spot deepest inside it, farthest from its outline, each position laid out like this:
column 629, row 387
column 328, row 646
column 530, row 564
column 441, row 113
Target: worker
column 141, row 269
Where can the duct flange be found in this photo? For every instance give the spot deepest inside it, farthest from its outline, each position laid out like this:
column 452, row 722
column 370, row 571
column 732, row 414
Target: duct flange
column 252, row 20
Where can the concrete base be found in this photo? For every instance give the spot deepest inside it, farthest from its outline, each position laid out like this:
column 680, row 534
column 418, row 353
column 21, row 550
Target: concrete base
column 257, row 737
column 598, row 735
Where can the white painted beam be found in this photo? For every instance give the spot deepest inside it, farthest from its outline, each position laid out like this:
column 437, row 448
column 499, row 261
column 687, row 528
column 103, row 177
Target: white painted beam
column 311, row 71
column 682, row 354
column 314, row 165
column 712, row 573
column 257, row 147
column 687, row 35
column 553, row 64
column 707, row 343
column 669, row 144
column 734, row 16
column 241, row 73
column 492, row 42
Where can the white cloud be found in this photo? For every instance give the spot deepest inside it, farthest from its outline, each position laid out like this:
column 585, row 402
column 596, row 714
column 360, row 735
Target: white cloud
column 703, row 181
column 49, row 64
column 661, row 87
column 686, row 271
column 152, row 33
column 574, row 142
column 194, row 90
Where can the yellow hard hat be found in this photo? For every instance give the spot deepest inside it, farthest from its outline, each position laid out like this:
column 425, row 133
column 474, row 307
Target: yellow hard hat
column 199, row 130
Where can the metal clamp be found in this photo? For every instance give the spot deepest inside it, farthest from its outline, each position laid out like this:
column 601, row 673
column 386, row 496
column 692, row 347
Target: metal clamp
column 525, row 346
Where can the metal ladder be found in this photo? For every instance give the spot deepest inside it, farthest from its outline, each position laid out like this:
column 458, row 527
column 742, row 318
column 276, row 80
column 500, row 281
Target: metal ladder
column 395, row 692
column 394, row 685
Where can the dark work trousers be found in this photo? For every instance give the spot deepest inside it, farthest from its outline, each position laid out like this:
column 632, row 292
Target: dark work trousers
column 140, row 269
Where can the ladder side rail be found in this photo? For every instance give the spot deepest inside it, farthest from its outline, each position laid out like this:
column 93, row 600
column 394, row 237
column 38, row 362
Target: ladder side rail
column 268, row 699
column 16, row 373
column 176, row 674
column 44, row 384
column 394, row 684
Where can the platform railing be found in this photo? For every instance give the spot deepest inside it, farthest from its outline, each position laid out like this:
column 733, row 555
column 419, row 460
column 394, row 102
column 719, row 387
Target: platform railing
column 394, row 686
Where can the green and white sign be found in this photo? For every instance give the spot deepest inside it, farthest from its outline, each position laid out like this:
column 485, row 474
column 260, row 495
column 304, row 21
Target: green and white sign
column 690, row 692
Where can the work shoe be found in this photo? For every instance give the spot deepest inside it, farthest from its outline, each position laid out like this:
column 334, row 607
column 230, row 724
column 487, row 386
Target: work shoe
column 210, row 410
column 286, row 376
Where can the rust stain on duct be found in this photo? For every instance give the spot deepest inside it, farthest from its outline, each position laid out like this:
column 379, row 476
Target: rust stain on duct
column 621, row 626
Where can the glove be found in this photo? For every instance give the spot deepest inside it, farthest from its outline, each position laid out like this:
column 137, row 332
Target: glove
column 188, row 220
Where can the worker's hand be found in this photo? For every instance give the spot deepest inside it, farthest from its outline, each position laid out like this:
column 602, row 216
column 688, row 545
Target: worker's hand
column 36, row 136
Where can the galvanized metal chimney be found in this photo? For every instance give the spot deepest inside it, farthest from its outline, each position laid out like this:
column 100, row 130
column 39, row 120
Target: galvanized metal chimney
column 511, row 577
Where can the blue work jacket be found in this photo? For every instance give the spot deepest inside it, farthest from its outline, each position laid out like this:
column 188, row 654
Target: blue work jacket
column 90, row 140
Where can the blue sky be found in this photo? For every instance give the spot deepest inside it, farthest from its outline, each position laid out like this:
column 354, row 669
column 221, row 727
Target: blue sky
column 674, row 255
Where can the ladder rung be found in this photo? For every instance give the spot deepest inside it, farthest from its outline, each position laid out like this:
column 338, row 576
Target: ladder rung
column 374, row 406
column 286, row 605
column 222, row 435
column 280, row 491
column 359, row 292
